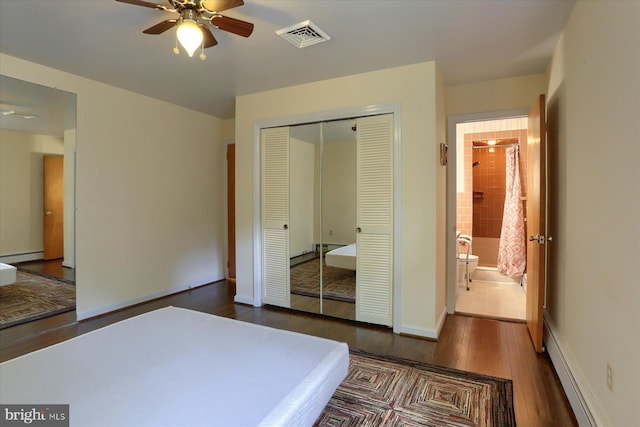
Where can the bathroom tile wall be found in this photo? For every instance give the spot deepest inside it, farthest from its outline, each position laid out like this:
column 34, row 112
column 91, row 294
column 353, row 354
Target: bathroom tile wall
column 481, row 216
column 464, row 206
column 489, row 189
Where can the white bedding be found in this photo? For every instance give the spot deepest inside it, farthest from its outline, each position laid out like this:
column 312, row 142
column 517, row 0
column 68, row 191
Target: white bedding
column 344, row 257
column 178, row 367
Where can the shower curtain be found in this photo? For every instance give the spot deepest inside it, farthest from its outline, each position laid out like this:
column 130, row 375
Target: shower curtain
column 512, row 255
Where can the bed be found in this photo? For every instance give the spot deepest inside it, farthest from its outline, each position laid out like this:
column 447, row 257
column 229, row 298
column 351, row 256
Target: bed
column 7, row 274
column 178, row 367
column 343, row 257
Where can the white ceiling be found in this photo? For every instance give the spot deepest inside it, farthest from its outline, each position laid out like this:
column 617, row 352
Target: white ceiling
column 471, row 40
column 333, row 131
column 55, row 110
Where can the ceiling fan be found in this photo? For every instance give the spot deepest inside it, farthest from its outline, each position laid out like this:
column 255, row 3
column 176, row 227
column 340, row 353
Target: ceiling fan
column 192, row 31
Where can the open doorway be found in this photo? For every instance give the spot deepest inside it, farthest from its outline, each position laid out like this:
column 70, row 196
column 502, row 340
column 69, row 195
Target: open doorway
column 486, row 259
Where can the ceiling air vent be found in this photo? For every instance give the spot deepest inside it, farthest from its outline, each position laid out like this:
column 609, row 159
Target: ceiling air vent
column 303, row 34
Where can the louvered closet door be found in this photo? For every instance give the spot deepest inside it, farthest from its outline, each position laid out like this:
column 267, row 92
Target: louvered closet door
column 275, row 216
column 374, row 235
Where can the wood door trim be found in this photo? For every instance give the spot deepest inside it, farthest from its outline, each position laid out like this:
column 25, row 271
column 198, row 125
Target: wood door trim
column 231, row 211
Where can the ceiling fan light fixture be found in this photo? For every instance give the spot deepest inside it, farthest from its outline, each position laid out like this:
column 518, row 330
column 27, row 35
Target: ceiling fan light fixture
column 189, row 36
column 26, row 116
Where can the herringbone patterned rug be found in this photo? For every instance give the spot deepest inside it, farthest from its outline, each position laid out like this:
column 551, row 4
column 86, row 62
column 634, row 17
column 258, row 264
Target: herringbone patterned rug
column 338, row 284
column 34, row 297
column 384, row 391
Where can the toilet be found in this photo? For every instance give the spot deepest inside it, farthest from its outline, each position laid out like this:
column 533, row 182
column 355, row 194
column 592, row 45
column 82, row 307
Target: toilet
column 466, row 261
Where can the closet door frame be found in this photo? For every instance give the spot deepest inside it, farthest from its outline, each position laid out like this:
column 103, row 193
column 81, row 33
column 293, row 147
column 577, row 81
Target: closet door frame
column 338, row 114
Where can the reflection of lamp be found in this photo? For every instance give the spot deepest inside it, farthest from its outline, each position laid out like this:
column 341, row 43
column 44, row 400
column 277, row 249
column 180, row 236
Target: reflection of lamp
column 189, row 35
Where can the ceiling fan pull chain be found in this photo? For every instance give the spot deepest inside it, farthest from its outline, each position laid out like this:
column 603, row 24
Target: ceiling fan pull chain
column 175, row 49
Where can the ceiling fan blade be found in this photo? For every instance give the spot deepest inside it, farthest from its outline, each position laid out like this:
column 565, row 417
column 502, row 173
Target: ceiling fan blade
column 232, row 25
column 220, row 5
column 208, row 39
column 144, row 4
column 161, row 27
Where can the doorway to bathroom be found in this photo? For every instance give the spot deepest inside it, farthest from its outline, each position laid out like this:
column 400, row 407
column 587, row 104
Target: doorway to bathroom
column 490, row 202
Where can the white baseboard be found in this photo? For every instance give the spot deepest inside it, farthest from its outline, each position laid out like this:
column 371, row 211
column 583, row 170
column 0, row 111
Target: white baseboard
column 86, row 314
column 423, row 332
column 440, row 324
column 418, row 332
column 565, row 368
column 30, row 256
column 243, row 300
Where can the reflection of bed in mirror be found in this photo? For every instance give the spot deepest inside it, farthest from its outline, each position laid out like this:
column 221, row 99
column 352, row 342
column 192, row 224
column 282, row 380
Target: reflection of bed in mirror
column 343, row 257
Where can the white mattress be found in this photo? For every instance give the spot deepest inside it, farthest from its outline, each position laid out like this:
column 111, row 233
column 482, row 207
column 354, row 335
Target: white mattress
column 178, row 367
column 344, row 257
column 7, row 274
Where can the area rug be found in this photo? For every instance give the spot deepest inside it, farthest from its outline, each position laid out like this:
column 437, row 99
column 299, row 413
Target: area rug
column 385, row 391
column 339, row 284
column 33, row 297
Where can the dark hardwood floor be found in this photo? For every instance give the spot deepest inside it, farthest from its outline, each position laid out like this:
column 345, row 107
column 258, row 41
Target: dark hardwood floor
column 51, row 268
column 490, row 347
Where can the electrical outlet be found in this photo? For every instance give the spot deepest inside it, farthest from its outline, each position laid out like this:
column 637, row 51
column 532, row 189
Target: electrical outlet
column 330, row 232
column 609, row 376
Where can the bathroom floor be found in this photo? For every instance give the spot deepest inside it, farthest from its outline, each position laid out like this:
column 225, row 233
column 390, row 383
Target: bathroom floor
column 492, row 299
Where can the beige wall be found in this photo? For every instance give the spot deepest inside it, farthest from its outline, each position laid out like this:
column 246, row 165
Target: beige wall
column 302, row 160
column 21, row 189
column 414, row 88
column 229, row 130
column 593, row 295
column 441, row 202
column 495, row 95
column 150, row 193
column 339, row 192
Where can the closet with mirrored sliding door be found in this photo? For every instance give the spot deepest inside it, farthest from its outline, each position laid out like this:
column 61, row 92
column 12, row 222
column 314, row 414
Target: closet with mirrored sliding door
column 327, row 218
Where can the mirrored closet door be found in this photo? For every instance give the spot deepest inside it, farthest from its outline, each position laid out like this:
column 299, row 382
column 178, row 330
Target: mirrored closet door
column 313, row 199
column 304, row 209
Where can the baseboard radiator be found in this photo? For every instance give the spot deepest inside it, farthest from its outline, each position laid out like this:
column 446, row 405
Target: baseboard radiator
column 585, row 415
column 28, row 256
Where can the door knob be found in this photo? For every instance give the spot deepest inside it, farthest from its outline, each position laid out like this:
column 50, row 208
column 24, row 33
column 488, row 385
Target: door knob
column 47, row 213
column 286, row 227
column 358, row 230
column 540, row 239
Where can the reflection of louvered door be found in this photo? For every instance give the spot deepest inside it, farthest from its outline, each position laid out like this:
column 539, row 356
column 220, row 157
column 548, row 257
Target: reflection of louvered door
column 275, row 216
column 374, row 220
